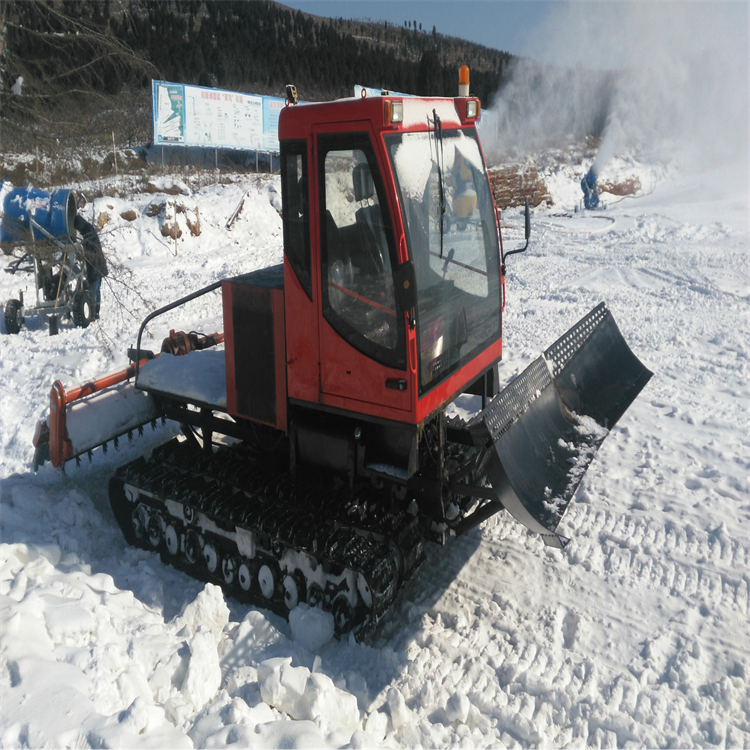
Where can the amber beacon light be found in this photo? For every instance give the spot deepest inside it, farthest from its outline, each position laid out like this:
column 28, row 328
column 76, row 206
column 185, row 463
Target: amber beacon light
column 463, row 80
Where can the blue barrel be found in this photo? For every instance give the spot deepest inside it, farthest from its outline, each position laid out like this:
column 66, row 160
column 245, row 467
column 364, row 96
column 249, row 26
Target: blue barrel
column 53, row 211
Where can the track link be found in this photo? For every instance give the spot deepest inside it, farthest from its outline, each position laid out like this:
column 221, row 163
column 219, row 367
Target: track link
column 237, row 519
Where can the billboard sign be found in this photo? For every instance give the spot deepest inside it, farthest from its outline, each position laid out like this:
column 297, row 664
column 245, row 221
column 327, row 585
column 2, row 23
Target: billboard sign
column 169, row 112
column 271, row 110
column 186, row 115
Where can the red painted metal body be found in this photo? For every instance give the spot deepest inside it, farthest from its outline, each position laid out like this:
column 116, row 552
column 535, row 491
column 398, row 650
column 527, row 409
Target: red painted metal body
column 322, row 367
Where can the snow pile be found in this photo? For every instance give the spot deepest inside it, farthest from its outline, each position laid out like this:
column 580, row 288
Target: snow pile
column 311, row 628
column 306, row 695
column 635, row 634
column 61, row 633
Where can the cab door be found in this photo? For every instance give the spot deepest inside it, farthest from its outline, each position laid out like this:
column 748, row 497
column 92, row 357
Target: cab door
column 362, row 330
column 301, row 301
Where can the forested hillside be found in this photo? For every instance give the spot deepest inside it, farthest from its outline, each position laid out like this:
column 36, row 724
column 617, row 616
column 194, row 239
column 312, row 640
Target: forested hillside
column 263, row 45
column 86, row 65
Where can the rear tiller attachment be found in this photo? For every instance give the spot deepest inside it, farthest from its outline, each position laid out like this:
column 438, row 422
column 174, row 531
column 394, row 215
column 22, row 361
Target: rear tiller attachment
column 84, row 418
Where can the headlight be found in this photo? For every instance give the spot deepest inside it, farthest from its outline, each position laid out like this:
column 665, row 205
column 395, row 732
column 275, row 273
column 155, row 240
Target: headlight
column 394, row 112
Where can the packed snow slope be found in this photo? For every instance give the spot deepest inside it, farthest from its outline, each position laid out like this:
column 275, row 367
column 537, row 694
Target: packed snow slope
column 635, row 635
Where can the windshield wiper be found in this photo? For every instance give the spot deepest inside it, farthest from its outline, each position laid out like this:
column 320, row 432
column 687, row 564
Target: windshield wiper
column 440, row 161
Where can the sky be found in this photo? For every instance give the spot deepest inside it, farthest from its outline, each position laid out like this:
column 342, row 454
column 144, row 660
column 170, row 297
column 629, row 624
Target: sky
column 592, row 34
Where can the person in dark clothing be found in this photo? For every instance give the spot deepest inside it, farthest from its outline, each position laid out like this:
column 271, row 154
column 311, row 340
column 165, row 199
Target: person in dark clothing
column 96, row 263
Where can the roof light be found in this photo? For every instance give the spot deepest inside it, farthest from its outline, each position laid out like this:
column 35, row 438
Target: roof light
column 463, row 80
column 394, row 112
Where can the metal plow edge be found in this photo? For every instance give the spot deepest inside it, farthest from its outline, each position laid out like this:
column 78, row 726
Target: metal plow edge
column 540, row 434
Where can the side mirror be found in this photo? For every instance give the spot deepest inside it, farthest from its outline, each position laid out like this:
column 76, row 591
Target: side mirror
column 528, row 220
column 527, row 232
column 404, row 280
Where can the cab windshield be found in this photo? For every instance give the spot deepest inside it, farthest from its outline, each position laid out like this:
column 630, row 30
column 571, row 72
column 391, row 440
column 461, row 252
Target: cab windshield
column 442, row 173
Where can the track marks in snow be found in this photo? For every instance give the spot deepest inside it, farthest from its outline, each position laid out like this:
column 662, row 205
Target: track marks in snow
column 569, row 628
column 562, row 659
column 650, row 555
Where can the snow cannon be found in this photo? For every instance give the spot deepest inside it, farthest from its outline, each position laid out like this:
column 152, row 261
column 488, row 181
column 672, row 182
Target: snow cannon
column 590, row 190
column 30, row 213
column 41, row 229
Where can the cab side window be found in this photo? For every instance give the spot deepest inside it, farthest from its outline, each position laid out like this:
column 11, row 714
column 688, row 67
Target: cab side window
column 296, row 211
column 357, row 251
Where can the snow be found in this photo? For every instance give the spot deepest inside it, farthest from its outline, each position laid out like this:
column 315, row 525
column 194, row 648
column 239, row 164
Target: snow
column 303, row 694
column 415, row 112
column 199, row 376
column 311, row 628
column 636, row 634
column 106, row 414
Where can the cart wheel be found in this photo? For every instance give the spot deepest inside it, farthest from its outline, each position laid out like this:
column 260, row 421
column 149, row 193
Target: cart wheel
column 83, row 309
column 13, row 316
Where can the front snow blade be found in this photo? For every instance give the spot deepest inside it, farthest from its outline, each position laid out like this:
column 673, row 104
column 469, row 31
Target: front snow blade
column 543, row 430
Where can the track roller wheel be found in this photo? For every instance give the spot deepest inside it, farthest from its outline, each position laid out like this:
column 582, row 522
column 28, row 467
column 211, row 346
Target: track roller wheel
column 140, row 521
column 268, row 578
column 343, row 615
column 210, row 557
column 365, row 593
column 228, row 569
column 315, row 595
column 244, row 577
column 155, row 530
column 399, row 558
column 172, row 540
column 294, row 589
column 192, row 546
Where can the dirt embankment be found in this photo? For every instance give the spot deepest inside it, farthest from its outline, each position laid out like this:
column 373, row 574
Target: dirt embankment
column 512, row 183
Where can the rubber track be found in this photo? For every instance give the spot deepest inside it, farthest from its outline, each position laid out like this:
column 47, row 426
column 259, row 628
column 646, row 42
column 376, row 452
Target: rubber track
column 233, row 490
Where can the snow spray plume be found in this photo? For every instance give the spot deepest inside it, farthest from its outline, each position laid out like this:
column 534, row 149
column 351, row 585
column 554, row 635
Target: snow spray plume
column 680, row 94
column 543, row 106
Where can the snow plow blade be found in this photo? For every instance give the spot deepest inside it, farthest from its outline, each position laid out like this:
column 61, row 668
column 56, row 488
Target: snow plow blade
column 541, row 433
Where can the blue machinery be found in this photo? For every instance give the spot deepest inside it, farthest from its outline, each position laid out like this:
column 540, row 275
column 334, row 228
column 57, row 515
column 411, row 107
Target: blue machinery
column 590, row 190
column 30, row 213
column 37, row 227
